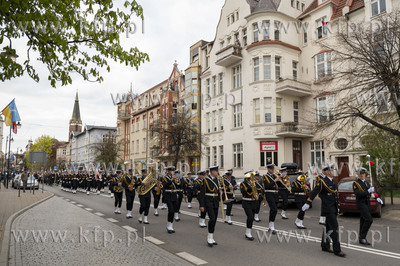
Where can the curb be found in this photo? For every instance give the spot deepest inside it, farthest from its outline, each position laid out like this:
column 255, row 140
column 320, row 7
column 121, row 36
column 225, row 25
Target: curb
column 5, row 246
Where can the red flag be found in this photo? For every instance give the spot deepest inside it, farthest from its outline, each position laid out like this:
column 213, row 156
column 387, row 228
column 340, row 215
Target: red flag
column 370, row 163
column 14, row 127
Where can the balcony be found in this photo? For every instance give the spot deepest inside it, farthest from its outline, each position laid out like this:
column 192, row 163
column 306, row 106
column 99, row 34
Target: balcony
column 122, row 115
column 293, row 87
column 229, row 56
column 294, row 130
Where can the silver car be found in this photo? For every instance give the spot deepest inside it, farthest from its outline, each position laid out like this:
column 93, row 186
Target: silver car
column 31, row 183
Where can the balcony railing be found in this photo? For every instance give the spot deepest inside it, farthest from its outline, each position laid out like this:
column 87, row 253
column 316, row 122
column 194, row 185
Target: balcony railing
column 229, row 55
column 293, row 129
column 293, row 87
column 122, row 115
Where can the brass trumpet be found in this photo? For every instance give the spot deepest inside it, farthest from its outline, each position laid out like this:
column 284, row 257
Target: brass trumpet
column 303, row 180
column 285, row 180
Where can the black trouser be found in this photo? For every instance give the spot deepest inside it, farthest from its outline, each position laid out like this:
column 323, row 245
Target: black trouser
column 74, row 184
column 145, row 201
column 180, row 197
column 260, row 199
column 211, row 207
column 171, row 200
column 300, row 201
column 365, row 219
column 229, row 208
column 156, row 199
column 272, row 199
column 189, row 192
column 99, row 185
column 284, row 194
column 250, row 208
column 118, row 199
column 202, row 214
column 130, row 198
column 88, row 185
column 331, row 232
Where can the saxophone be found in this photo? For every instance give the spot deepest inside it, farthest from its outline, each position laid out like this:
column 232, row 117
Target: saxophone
column 131, row 184
column 118, row 188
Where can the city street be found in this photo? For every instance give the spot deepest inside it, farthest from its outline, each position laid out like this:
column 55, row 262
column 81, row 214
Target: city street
column 278, row 250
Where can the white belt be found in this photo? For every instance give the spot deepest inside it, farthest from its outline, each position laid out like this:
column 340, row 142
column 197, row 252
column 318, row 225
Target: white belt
column 170, row 190
column 212, row 194
column 300, row 194
column 249, row 199
column 272, row 191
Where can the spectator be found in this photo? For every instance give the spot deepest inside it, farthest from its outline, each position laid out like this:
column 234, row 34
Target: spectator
column 24, row 178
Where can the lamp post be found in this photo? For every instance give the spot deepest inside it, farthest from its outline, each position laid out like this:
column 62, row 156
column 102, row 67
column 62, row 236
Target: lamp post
column 9, row 153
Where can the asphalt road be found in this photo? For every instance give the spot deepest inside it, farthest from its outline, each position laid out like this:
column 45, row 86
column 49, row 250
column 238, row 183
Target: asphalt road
column 288, row 247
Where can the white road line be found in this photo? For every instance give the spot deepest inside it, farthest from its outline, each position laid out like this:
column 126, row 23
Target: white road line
column 112, row 220
column 154, row 240
column 99, row 214
column 88, row 209
column 79, row 205
column 129, row 228
column 67, row 199
column 73, row 202
column 191, row 258
column 383, row 253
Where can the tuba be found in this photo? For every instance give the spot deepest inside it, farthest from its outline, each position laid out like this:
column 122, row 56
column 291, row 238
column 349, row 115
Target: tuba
column 150, row 180
column 118, row 188
column 253, row 185
column 303, row 181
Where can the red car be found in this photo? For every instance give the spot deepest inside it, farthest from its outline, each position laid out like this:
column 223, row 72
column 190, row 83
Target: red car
column 347, row 198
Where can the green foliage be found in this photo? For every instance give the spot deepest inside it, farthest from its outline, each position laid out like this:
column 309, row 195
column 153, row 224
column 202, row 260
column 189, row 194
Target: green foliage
column 72, row 36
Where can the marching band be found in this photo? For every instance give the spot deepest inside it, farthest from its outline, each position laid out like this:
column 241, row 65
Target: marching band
column 214, row 192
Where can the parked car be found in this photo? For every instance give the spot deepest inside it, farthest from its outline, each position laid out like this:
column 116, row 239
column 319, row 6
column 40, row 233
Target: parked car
column 31, row 183
column 15, row 180
column 347, row 198
column 238, row 194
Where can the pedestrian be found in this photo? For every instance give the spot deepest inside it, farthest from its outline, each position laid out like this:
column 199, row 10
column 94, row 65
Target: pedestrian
column 24, row 178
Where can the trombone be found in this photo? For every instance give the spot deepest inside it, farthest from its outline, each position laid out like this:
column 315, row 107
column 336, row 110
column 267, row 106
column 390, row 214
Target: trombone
column 222, row 184
column 284, row 180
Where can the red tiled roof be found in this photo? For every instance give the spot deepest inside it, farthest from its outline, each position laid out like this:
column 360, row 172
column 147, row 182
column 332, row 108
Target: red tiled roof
column 273, row 42
column 353, row 4
column 322, row 51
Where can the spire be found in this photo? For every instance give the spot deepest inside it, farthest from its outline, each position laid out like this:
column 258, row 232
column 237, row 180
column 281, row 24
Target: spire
column 76, row 114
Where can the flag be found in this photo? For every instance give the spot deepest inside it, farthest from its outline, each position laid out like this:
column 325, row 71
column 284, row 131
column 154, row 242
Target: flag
column 370, row 163
column 11, row 115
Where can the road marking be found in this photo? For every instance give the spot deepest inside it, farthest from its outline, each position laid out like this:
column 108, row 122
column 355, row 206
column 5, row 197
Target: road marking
column 191, row 258
column 129, row 228
column 73, row 202
column 99, row 214
column 112, row 220
column 79, row 205
column 89, row 209
column 67, row 199
column 154, row 240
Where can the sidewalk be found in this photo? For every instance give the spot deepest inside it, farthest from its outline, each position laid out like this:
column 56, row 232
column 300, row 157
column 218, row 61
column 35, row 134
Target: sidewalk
column 10, row 203
column 391, row 212
column 70, row 235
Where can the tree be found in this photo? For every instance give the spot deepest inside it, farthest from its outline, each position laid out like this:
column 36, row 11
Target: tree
column 68, row 37
column 43, row 143
column 366, row 74
column 384, row 149
column 108, row 152
column 176, row 137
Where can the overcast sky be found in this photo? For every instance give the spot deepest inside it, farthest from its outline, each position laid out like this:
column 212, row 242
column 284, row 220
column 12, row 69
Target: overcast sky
column 170, row 28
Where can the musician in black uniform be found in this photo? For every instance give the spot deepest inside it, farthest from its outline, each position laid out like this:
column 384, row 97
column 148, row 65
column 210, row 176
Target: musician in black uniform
column 129, row 184
column 197, row 185
column 179, row 188
column 145, row 200
column 229, row 185
column 249, row 191
column 318, row 179
column 363, row 190
column 118, row 191
column 283, row 192
column 209, row 201
column 169, row 183
column 260, row 189
column 271, row 193
column 327, row 188
column 300, row 190
column 188, row 189
column 156, row 191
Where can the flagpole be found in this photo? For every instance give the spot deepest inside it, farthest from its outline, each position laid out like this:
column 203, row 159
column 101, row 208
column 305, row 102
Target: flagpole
column 8, row 159
column 370, row 172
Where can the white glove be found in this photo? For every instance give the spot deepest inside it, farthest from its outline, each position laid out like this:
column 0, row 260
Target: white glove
column 371, row 190
column 305, row 207
column 379, row 200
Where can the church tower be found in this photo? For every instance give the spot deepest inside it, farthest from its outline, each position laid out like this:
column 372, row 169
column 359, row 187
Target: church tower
column 75, row 124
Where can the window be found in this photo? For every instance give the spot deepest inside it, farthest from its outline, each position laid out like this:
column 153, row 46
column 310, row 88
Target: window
column 221, row 156
column 214, row 85
column 237, row 115
column 303, row 6
column 144, row 121
column 265, row 29
column 256, row 107
column 317, row 153
column 133, row 125
column 294, row 67
column 221, row 119
column 208, row 152
column 325, row 109
column 378, row 7
column 137, row 124
column 215, row 155
column 268, row 157
column 277, row 67
column 298, row 5
column 144, row 145
column 214, row 122
column 296, row 112
column 208, row 122
column 244, row 38
column 238, row 155
column 228, row 20
column 237, row 76
column 237, row 15
column 256, row 69
column 255, row 32
column 222, row 44
column 267, row 67
column 267, row 110
column 321, row 28
column 341, row 144
column 137, row 146
column 233, row 18
column 208, row 87
column 292, row 3
column 228, row 41
column 305, row 38
column 221, row 83
column 323, row 65
column 278, row 110
column 276, row 31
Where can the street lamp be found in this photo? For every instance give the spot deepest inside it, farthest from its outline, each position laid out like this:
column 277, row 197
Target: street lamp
column 9, row 52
